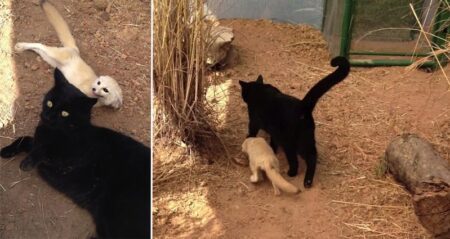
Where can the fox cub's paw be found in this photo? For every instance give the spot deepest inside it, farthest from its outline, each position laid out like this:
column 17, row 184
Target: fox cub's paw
column 20, row 47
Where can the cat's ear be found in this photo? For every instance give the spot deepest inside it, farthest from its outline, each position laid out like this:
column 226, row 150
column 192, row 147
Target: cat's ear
column 87, row 102
column 243, row 83
column 260, row 79
column 91, row 101
column 59, row 78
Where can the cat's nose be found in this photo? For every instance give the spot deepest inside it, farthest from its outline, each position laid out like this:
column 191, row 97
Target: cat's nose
column 93, row 89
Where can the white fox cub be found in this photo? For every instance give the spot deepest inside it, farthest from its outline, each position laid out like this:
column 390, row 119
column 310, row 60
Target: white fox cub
column 68, row 60
column 262, row 158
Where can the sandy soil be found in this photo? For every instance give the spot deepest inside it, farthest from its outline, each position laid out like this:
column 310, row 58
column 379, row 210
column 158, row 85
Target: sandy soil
column 351, row 197
column 115, row 44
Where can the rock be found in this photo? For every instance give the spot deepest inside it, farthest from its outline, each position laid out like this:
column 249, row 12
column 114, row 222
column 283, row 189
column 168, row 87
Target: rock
column 128, row 34
column 218, row 51
column 9, row 227
column 100, row 5
column 105, row 16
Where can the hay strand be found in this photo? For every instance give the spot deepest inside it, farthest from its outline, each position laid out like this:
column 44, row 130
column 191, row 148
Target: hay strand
column 368, row 205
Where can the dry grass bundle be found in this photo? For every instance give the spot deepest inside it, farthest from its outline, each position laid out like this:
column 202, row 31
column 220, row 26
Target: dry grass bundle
column 180, row 43
column 7, row 85
column 436, row 51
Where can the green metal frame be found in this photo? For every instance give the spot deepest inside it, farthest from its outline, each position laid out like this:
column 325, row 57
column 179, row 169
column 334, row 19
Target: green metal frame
column 438, row 40
column 346, row 28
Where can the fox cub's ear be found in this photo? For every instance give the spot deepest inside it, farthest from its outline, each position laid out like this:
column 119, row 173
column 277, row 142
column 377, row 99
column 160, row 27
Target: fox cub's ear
column 244, row 145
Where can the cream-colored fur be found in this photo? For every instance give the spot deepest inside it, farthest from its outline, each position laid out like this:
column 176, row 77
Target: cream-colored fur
column 68, row 60
column 262, row 158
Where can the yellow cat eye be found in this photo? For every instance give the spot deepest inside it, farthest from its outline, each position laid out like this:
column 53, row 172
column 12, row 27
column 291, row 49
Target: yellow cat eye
column 49, row 104
column 64, row 113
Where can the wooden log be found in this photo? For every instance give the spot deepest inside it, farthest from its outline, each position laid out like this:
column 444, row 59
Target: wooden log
column 413, row 162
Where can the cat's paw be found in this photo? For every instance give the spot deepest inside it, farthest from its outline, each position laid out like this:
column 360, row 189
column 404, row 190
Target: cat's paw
column 292, row 173
column 254, row 178
column 7, row 152
column 20, row 47
column 307, row 183
column 27, row 164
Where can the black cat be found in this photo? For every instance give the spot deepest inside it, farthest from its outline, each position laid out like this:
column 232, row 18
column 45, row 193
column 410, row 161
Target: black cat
column 101, row 170
column 288, row 120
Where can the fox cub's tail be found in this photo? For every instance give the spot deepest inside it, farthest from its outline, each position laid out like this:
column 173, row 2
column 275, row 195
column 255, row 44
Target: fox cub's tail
column 278, row 180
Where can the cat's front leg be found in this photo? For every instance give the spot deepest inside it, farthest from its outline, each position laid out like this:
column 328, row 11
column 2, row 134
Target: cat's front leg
column 34, row 158
column 253, row 128
column 27, row 164
column 21, row 144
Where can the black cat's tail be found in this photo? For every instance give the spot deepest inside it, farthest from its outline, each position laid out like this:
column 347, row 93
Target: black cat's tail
column 312, row 97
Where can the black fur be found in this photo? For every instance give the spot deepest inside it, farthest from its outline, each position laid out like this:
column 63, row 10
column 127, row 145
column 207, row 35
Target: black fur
column 101, row 170
column 288, row 120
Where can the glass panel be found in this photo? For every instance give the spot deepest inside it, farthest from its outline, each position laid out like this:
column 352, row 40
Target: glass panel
column 291, row 11
column 332, row 25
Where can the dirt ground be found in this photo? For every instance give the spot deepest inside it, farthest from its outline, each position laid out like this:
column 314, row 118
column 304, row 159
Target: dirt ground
column 351, row 197
column 116, row 44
